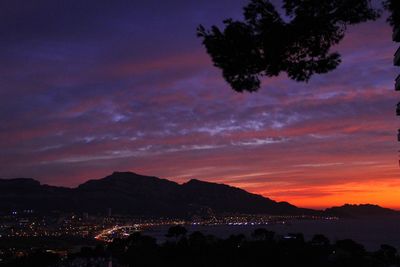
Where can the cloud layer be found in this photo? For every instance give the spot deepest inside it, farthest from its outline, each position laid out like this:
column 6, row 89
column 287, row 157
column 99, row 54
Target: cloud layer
column 89, row 88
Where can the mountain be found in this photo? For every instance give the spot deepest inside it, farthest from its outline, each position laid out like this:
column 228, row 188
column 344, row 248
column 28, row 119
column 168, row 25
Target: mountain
column 362, row 210
column 26, row 193
column 135, row 194
column 224, row 198
column 131, row 193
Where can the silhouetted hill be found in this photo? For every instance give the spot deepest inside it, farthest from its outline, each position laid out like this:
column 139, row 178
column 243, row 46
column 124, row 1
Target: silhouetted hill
column 127, row 192
column 135, row 194
column 26, row 193
column 131, row 193
column 225, row 198
column 362, row 210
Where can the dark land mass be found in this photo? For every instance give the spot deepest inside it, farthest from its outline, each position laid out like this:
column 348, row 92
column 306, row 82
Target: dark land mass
column 362, row 210
column 264, row 248
column 134, row 194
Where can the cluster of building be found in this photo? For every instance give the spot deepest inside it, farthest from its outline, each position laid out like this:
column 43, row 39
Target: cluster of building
column 125, row 230
column 21, row 232
column 28, row 224
column 22, row 224
column 253, row 220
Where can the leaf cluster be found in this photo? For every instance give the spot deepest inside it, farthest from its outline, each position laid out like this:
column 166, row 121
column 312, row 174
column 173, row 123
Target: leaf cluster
column 298, row 42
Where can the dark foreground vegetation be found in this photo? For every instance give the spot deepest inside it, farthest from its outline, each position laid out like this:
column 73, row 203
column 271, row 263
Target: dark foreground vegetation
column 263, row 248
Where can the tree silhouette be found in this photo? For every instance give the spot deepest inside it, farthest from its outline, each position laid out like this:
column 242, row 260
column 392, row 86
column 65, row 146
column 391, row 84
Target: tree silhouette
column 176, row 231
column 239, row 251
column 320, row 239
column 297, row 42
column 394, row 8
column 263, row 234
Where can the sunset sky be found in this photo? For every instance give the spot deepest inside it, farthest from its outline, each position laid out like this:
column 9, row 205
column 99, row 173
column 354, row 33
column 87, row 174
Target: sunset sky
column 92, row 87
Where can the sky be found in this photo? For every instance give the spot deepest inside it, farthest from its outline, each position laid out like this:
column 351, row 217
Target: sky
column 92, row 87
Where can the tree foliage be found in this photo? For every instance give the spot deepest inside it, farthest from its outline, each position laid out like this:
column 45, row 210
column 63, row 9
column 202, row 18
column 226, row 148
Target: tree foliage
column 264, row 249
column 394, row 8
column 298, row 42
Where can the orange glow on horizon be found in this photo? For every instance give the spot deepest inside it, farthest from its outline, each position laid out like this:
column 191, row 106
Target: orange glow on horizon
column 325, row 185
column 385, row 194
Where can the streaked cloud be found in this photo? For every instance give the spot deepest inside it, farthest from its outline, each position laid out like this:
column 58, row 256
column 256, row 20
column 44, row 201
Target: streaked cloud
column 133, row 89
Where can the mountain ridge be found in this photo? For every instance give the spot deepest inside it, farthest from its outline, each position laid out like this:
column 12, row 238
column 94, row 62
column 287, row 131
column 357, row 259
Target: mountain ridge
column 361, row 210
column 136, row 194
column 132, row 193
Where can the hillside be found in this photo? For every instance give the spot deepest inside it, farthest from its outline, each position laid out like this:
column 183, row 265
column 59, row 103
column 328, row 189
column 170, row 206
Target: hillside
column 135, row 194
